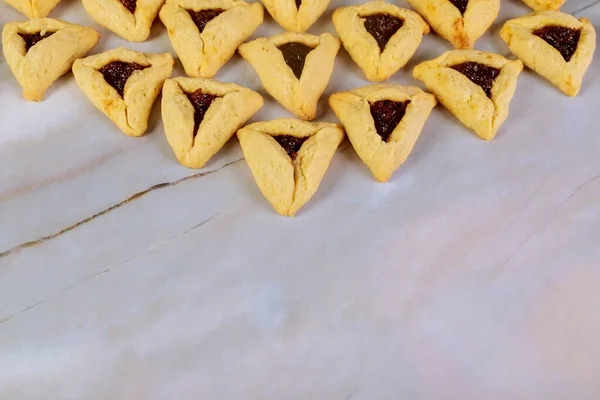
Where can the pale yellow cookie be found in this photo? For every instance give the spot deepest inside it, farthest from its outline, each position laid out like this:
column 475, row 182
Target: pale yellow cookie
column 123, row 84
column 40, row 51
column 543, row 5
column 225, row 25
column 296, row 15
column 526, row 38
column 458, row 24
column 33, row 8
column 297, row 87
column 482, row 108
column 289, row 177
column 201, row 115
column 383, row 123
column 380, row 37
column 130, row 19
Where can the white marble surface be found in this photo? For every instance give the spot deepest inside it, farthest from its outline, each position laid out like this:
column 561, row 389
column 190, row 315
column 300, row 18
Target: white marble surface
column 472, row 274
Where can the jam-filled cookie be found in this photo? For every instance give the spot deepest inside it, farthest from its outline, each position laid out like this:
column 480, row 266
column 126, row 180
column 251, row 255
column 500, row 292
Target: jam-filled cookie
column 475, row 86
column 557, row 46
column 380, row 37
column 296, row 15
column 40, row 51
column 201, row 115
column 544, row 5
column 288, row 158
column 461, row 22
column 123, row 84
column 383, row 123
column 33, row 8
column 205, row 34
column 294, row 68
column 130, row 19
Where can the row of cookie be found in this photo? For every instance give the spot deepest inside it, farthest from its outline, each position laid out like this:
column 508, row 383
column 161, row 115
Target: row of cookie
column 459, row 21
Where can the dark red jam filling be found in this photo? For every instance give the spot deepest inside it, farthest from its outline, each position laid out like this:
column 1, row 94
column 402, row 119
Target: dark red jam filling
column 290, row 144
column 461, row 5
column 201, row 102
column 116, row 74
column 382, row 27
column 563, row 39
column 294, row 54
column 130, row 5
column 203, row 17
column 386, row 115
column 480, row 74
column 32, row 38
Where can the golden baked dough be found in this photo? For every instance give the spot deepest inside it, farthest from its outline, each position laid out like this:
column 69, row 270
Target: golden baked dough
column 448, row 22
column 300, row 96
column 44, row 62
column 202, row 54
column 543, row 5
column 131, row 110
column 293, row 18
column 227, row 112
column 33, row 8
column 383, row 157
column 542, row 57
column 363, row 47
column 113, row 15
column 288, row 183
column 464, row 98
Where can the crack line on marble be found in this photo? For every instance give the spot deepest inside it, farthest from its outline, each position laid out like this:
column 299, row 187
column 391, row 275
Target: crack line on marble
column 88, row 278
column 584, row 184
column 112, row 208
column 586, row 7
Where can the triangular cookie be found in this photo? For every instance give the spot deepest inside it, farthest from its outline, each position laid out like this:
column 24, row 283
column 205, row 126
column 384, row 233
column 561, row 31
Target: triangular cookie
column 294, row 68
column 475, row 86
column 543, row 5
column 40, row 51
column 461, row 22
column 380, row 37
column 201, row 115
column 206, row 34
column 130, row 19
column 296, row 15
column 33, row 8
column 123, row 84
column 288, row 158
column 383, row 123
column 557, row 46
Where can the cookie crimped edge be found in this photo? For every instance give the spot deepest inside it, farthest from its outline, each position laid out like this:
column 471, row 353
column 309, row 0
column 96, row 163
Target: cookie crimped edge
column 203, row 54
column 289, row 184
column 544, row 59
column 465, row 99
column 462, row 31
column 130, row 112
column 353, row 110
column 228, row 112
column 285, row 13
column 56, row 53
column 364, row 49
column 299, row 96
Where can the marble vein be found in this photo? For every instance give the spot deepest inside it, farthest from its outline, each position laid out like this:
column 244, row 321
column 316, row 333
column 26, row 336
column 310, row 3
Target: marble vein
column 112, row 208
column 578, row 188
